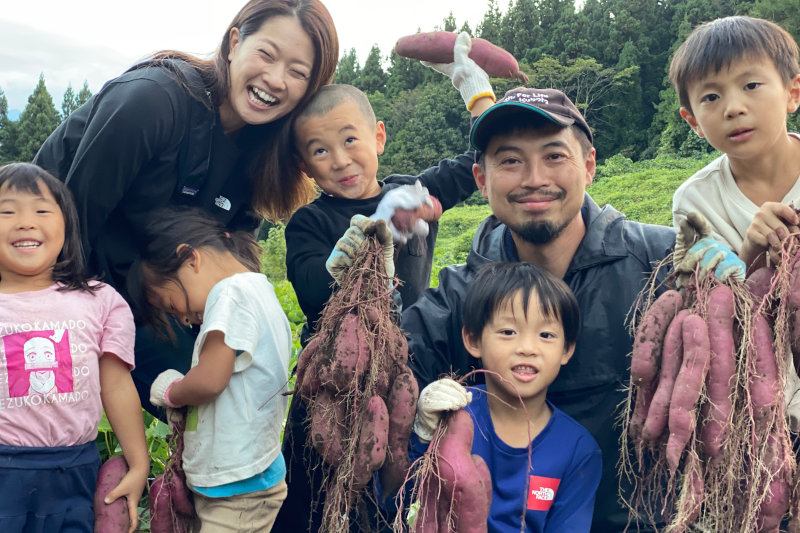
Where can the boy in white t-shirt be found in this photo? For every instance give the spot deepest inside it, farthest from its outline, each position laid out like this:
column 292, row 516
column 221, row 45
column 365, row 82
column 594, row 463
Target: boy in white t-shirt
column 737, row 79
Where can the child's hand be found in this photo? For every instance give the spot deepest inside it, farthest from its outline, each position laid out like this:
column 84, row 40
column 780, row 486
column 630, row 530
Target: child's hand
column 440, row 396
column 159, row 390
column 771, row 225
column 131, row 487
column 347, row 246
column 407, row 210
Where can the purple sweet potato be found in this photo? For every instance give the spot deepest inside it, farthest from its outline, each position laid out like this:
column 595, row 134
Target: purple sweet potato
column 372, row 440
column 402, row 406
column 649, row 338
column 688, row 386
column 463, row 481
column 351, row 353
column 765, row 386
column 164, row 518
column 112, row 517
column 721, row 380
column 327, row 430
column 671, row 360
column 437, row 47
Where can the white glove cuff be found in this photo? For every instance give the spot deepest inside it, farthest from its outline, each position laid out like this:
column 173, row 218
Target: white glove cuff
column 474, row 87
column 159, row 390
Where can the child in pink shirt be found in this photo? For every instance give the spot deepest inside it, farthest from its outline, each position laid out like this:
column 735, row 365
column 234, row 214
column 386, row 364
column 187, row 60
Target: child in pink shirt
column 66, row 351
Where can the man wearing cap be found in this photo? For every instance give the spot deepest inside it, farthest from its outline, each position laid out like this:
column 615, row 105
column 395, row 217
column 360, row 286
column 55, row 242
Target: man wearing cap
column 535, row 159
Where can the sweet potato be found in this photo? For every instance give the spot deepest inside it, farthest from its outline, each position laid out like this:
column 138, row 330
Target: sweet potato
column 402, row 406
column 775, row 505
column 437, row 47
column 641, row 408
column 404, row 219
column 182, row 500
column 649, row 338
column 372, row 440
column 350, row 354
column 688, row 385
column 462, row 480
column 671, row 360
column 721, row 380
column 112, row 517
column 163, row 515
column 307, row 378
column 764, row 385
column 327, row 430
column 759, row 282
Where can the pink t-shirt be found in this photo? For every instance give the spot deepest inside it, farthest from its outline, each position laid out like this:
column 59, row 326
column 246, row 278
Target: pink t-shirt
column 50, row 345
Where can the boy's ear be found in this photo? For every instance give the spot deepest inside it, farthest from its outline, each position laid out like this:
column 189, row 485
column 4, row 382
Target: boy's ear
column 691, row 121
column 567, row 354
column 380, row 136
column 473, row 346
column 794, row 94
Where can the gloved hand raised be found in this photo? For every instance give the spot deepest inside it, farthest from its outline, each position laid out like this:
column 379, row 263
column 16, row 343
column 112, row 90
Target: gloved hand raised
column 159, row 390
column 410, row 198
column 347, row 246
column 470, row 79
column 440, row 396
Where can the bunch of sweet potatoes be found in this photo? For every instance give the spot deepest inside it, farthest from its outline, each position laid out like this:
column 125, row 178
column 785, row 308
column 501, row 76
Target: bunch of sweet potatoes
column 360, row 394
column 705, row 405
column 170, row 500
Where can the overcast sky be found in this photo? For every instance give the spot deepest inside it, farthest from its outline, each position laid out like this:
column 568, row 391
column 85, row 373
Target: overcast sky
column 95, row 40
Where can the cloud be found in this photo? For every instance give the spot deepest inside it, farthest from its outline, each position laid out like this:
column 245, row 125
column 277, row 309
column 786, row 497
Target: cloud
column 26, row 52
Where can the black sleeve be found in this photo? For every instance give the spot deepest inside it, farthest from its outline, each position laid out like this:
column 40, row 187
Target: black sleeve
column 308, row 246
column 433, row 327
column 451, row 181
column 100, row 152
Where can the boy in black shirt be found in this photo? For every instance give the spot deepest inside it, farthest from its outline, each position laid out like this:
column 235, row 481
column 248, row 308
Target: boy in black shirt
column 338, row 141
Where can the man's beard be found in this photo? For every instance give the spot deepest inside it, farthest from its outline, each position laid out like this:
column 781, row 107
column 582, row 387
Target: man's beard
column 538, row 232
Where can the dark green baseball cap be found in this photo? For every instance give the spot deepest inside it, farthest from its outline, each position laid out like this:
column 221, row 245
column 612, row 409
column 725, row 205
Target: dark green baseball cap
column 549, row 103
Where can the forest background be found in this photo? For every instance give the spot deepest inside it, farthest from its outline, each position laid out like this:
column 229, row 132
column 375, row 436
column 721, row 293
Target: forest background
column 610, row 57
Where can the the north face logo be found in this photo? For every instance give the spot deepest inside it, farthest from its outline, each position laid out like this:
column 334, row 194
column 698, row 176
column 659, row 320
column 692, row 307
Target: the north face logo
column 542, row 492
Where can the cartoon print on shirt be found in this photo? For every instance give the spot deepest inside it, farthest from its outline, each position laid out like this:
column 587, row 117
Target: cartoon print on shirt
column 38, row 362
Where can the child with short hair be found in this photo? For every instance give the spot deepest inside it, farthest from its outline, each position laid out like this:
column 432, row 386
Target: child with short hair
column 737, row 79
column 522, row 323
column 338, row 141
column 194, row 269
column 66, row 353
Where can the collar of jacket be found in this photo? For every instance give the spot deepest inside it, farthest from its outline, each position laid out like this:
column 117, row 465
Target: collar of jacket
column 604, row 240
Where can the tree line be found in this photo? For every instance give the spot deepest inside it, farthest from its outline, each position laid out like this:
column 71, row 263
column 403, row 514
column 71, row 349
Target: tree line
column 610, row 57
column 20, row 139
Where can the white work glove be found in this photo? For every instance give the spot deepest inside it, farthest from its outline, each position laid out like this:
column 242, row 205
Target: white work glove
column 404, row 197
column 440, row 396
column 347, row 246
column 470, row 79
column 159, row 390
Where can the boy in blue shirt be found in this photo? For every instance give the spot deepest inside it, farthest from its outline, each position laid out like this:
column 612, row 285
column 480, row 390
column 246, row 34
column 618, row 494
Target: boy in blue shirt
column 522, row 322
